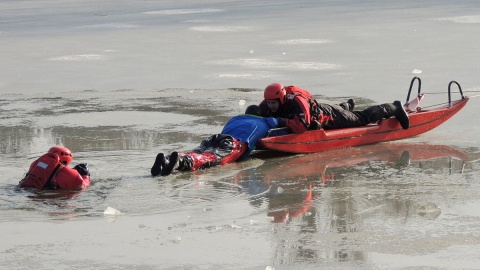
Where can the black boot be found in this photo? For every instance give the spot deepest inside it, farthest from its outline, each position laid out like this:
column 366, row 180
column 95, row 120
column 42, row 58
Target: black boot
column 349, row 105
column 171, row 164
column 401, row 114
column 158, row 165
column 396, row 109
column 351, row 102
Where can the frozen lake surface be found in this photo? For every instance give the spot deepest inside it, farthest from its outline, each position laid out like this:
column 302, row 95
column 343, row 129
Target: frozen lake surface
column 119, row 81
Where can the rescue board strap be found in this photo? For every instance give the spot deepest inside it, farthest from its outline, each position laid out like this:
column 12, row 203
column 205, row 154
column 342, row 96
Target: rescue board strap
column 49, row 184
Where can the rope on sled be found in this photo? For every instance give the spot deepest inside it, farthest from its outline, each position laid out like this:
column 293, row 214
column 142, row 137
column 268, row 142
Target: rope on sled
column 446, row 92
column 434, row 105
column 438, row 104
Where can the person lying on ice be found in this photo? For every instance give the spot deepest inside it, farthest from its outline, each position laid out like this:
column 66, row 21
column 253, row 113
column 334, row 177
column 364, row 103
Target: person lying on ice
column 51, row 171
column 235, row 143
column 295, row 108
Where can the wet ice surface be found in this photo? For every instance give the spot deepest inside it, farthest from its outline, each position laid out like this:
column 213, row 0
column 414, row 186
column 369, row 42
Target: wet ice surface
column 119, row 82
column 366, row 207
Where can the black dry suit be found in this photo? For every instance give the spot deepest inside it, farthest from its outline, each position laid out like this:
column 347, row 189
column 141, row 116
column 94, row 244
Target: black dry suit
column 334, row 116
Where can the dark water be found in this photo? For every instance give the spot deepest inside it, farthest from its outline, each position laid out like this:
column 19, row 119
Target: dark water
column 119, row 82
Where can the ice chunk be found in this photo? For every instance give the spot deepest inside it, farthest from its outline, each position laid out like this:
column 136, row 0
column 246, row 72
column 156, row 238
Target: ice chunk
column 235, row 226
column 429, row 210
column 416, row 71
column 176, row 239
column 110, row 211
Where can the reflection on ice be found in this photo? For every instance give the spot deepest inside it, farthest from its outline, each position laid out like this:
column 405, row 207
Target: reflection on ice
column 329, row 194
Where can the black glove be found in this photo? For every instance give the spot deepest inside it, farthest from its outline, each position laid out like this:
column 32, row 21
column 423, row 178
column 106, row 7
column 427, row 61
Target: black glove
column 82, row 169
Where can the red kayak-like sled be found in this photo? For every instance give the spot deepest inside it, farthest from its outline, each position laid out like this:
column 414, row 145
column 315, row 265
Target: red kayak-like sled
column 421, row 121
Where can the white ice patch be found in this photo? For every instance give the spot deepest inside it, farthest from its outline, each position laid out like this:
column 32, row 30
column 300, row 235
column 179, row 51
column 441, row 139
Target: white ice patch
column 198, row 21
column 183, row 11
column 302, row 41
column 242, row 75
column 416, row 71
column 177, row 239
column 462, row 19
column 78, row 57
column 221, row 28
column 266, row 64
column 110, row 25
column 110, row 211
column 235, row 226
column 114, row 118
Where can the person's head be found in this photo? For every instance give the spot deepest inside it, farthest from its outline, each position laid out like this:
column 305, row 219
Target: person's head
column 64, row 153
column 253, row 110
column 275, row 96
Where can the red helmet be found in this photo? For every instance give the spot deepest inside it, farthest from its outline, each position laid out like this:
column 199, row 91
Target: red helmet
column 64, row 153
column 275, row 91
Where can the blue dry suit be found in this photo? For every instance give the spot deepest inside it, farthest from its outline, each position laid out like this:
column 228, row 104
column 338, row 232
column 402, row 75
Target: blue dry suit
column 248, row 128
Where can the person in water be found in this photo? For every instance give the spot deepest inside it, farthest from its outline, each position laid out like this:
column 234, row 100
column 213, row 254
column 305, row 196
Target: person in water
column 295, row 108
column 235, row 142
column 51, row 171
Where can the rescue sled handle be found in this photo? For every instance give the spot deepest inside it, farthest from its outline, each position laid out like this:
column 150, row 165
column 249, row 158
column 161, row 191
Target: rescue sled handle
column 449, row 90
column 411, row 85
column 449, row 93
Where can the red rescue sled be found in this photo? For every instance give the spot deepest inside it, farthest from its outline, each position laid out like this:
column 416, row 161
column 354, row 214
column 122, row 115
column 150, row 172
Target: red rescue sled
column 421, row 121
